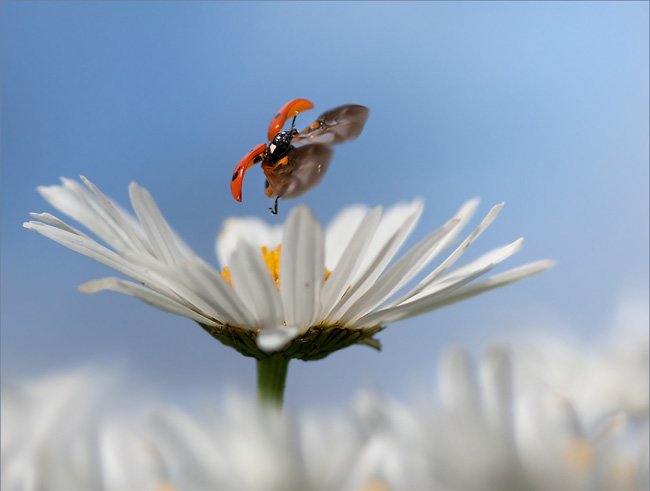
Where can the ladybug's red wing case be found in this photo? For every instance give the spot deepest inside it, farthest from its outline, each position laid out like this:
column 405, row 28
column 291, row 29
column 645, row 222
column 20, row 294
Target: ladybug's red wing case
column 303, row 170
column 290, row 110
column 247, row 161
column 335, row 126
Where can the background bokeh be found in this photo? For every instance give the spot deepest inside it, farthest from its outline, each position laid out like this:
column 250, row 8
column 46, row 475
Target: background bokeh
column 541, row 105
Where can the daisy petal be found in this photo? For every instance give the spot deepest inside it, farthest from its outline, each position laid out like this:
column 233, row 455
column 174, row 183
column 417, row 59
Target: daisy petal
column 84, row 245
column 301, row 268
column 377, row 266
column 88, row 247
column 160, row 237
column 419, row 306
column 340, row 232
column 391, row 221
column 420, row 303
column 497, row 281
column 126, row 228
column 458, row 384
column 222, row 293
column 401, row 272
column 56, row 222
column 341, row 276
column 146, row 295
column 254, row 285
column 178, row 284
column 276, row 338
column 487, row 260
column 496, row 381
column 458, row 252
column 195, row 283
column 251, row 230
column 77, row 202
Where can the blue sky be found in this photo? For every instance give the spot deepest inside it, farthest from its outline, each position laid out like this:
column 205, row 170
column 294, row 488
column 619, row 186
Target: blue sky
column 541, row 105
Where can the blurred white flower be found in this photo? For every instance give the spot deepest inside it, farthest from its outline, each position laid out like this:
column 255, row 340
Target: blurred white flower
column 608, row 372
column 314, row 295
column 68, row 432
column 483, row 433
column 73, row 432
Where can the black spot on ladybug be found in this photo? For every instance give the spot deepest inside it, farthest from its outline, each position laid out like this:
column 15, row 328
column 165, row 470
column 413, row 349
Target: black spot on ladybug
column 234, row 176
column 276, row 116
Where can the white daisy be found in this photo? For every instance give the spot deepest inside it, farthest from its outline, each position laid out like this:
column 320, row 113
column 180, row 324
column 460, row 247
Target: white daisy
column 307, row 296
column 70, row 431
column 84, row 430
column 75, row 431
column 605, row 373
column 485, row 434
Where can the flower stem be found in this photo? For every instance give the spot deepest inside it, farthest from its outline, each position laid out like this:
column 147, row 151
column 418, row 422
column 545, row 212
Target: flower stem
column 271, row 378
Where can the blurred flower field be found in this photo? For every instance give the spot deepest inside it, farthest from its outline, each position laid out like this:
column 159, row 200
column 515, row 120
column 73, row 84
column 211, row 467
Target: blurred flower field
column 539, row 414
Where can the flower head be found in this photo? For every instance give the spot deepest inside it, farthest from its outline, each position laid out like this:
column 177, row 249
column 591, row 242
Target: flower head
column 484, row 433
column 317, row 293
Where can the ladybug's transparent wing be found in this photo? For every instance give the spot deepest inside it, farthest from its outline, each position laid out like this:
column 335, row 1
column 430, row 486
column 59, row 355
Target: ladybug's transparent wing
column 305, row 168
column 335, row 126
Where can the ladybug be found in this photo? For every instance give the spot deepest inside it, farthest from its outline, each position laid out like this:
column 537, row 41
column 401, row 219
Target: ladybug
column 295, row 161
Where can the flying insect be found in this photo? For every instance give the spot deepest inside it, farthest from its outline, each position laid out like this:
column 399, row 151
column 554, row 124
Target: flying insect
column 295, row 161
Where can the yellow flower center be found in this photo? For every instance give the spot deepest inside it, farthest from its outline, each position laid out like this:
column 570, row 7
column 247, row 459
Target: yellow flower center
column 375, row 484
column 272, row 260
column 580, row 454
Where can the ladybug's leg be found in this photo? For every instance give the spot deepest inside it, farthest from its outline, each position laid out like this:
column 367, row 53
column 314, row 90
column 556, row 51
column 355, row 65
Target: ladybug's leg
column 274, row 210
column 290, row 110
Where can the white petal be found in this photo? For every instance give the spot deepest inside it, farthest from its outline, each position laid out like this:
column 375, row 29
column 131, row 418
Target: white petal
column 462, row 216
column 86, row 246
column 489, row 260
column 401, row 272
column 458, row 385
column 56, row 222
column 376, row 267
column 301, row 267
column 416, row 307
column 127, row 229
column 146, row 295
column 254, row 285
column 77, row 202
column 340, row 231
column 251, row 230
column 160, row 237
column 393, row 219
column 197, row 285
column 350, row 261
column 609, row 427
column 420, row 303
column 440, row 299
column 458, row 252
column 497, row 281
column 214, row 296
column 177, row 285
column 276, row 338
column 496, row 381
